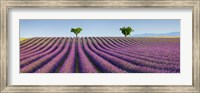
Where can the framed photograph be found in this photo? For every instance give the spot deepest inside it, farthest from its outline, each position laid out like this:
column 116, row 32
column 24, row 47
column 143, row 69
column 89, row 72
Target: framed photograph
column 100, row 46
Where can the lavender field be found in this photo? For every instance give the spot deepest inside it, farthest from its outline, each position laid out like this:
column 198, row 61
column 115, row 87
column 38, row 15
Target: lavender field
column 100, row 55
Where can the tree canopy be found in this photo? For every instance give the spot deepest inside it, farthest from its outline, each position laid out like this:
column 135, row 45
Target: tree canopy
column 76, row 30
column 126, row 31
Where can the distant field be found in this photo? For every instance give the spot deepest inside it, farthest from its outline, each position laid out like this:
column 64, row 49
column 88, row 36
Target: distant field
column 22, row 39
column 161, row 37
column 100, row 55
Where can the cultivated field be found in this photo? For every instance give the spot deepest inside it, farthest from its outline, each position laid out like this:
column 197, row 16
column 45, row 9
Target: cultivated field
column 22, row 39
column 100, row 55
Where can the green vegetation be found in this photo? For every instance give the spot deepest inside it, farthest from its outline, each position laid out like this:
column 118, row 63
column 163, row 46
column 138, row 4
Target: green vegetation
column 126, row 31
column 76, row 30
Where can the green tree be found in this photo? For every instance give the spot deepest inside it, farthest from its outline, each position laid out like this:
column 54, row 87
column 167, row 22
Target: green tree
column 76, row 30
column 126, row 31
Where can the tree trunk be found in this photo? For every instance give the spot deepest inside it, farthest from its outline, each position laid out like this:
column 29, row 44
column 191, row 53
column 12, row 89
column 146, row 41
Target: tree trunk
column 125, row 35
column 76, row 35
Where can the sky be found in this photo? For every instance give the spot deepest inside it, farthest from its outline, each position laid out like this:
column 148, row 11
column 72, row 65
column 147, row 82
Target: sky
column 94, row 27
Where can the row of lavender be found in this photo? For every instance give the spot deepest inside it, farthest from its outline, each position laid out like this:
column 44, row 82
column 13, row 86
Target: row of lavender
column 100, row 55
